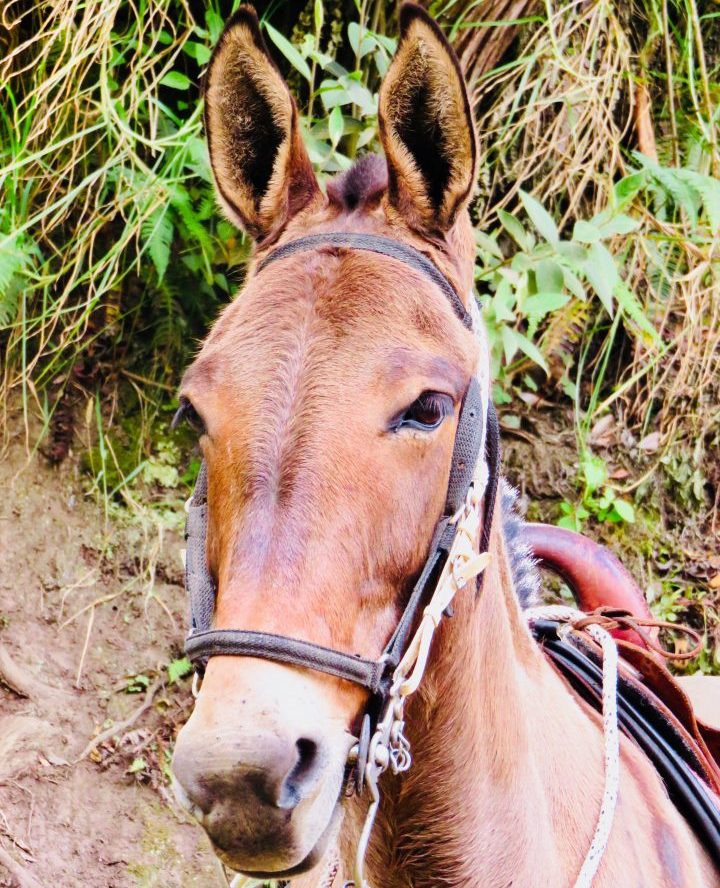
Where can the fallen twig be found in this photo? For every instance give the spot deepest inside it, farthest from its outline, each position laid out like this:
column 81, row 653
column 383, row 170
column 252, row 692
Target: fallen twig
column 14, row 676
column 120, row 727
column 19, row 680
column 19, row 873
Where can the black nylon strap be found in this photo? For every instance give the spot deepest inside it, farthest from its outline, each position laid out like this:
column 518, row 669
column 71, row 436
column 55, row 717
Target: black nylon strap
column 375, row 243
column 267, row 646
column 492, row 454
column 666, row 749
column 468, row 437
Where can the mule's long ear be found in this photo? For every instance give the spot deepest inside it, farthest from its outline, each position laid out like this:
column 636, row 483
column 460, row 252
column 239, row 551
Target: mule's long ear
column 426, row 126
column 262, row 171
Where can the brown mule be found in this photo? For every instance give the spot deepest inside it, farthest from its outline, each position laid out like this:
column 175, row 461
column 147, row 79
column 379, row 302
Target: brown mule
column 329, row 393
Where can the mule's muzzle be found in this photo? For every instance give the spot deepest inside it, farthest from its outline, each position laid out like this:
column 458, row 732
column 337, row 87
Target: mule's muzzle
column 245, row 794
column 262, row 777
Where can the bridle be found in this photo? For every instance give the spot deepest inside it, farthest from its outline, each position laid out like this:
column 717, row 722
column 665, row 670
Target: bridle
column 457, row 554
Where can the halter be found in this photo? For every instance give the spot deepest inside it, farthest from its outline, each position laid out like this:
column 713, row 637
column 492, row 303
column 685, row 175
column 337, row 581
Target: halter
column 451, row 562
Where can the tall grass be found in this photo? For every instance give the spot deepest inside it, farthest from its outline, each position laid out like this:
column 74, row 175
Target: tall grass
column 114, row 259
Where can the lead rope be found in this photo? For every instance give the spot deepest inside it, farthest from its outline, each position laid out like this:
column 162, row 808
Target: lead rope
column 608, row 805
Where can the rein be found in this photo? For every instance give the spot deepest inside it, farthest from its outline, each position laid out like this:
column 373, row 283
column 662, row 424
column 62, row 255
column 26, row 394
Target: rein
column 458, row 553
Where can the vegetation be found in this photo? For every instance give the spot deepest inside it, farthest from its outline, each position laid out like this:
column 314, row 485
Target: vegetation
column 597, row 231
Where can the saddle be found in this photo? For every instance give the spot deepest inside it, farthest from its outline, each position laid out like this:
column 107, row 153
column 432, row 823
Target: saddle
column 653, row 710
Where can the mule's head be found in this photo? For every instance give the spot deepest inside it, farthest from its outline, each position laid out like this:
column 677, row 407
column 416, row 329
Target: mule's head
column 328, row 394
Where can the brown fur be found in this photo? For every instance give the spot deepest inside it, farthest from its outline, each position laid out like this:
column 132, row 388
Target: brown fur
column 261, row 168
column 319, row 517
column 423, row 93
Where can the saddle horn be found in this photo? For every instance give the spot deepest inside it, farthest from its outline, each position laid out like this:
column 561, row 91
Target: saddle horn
column 595, row 576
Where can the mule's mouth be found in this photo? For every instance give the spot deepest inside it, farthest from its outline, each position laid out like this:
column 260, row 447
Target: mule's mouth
column 312, row 859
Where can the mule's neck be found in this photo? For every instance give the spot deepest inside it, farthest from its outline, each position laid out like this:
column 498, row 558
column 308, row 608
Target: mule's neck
column 477, row 806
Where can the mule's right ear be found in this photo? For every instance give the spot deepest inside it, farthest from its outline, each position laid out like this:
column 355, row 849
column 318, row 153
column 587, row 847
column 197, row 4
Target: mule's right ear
column 261, row 168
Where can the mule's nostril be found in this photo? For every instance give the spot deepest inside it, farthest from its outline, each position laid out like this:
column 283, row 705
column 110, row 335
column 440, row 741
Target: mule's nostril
column 307, row 753
column 294, row 787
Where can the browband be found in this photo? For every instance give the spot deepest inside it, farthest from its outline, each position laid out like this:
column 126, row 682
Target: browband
column 375, row 243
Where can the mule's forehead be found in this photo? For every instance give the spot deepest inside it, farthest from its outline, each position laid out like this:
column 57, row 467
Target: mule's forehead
column 336, row 308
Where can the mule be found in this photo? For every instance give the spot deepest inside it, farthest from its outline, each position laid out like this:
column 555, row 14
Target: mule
column 328, row 395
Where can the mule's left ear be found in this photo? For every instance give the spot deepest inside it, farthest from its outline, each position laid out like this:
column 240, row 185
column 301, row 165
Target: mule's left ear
column 426, row 126
column 261, row 168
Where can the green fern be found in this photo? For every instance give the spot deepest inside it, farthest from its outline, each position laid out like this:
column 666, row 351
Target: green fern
column 157, row 234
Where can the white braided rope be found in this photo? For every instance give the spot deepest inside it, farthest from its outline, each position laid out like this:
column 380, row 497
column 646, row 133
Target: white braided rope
column 608, row 805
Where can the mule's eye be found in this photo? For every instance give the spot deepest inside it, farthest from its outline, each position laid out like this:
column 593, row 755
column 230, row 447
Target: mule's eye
column 425, row 413
column 187, row 413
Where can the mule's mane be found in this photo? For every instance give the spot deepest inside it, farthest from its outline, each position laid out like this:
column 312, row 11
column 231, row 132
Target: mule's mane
column 362, row 185
column 523, row 565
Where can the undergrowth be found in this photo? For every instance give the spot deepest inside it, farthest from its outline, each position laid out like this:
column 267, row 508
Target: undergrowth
column 597, row 227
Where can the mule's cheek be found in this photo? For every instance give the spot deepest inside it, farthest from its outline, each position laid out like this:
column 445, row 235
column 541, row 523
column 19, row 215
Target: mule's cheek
column 261, row 762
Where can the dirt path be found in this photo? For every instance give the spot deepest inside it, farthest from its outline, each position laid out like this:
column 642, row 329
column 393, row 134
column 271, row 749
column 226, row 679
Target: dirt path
column 107, row 821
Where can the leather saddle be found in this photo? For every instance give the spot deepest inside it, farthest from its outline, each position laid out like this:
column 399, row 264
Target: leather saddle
column 653, row 709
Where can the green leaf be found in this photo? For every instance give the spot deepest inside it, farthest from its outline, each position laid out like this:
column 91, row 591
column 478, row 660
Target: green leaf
column 215, row 23
column 572, row 252
column 709, row 190
column 586, row 232
column 182, row 202
column 539, row 304
column 509, row 344
column 540, row 218
column 621, row 224
column 503, row 301
column 631, row 307
column 335, row 125
column 625, row 510
column 197, row 51
column 572, row 283
column 157, row 233
column 178, row 669
column 549, row 276
column 175, row 80
column 526, row 347
column 289, row 51
column 319, row 14
column 139, row 764
column 514, row 229
column 360, row 48
column 569, row 522
column 602, row 273
column 594, row 471
column 488, row 244
column 626, row 189
column 137, row 684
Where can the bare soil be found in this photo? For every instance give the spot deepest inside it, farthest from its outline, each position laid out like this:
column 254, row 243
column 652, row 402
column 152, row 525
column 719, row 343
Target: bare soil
column 77, row 619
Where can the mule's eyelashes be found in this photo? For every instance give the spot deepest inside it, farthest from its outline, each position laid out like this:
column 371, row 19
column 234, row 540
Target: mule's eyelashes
column 186, row 412
column 425, row 414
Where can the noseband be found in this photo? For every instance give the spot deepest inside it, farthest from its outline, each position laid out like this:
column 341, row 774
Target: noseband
column 476, row 426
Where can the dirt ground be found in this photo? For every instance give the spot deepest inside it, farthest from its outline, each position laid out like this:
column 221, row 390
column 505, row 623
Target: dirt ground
column 76, row 624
